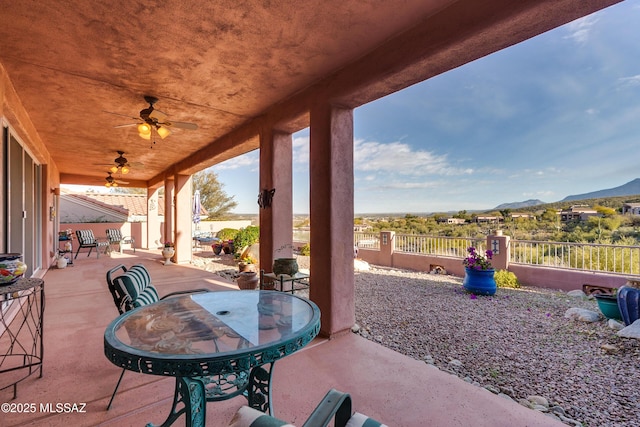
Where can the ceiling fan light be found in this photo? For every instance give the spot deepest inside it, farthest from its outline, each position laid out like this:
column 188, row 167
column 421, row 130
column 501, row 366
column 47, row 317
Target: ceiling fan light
column 146, row 136
column 114, row 184
column 113, row 169
column 107, row 184
column 144, row 128
column 125, row 170
column 163, row 132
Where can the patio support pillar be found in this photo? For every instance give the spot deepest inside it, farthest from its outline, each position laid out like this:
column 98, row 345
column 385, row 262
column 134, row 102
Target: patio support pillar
column 154, row 233
column 182, row 219
column 331, row 205
column 167, row 233
column 276, row 220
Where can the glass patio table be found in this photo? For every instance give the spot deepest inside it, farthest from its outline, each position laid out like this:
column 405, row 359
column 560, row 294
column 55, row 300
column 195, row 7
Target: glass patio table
column 217, row 344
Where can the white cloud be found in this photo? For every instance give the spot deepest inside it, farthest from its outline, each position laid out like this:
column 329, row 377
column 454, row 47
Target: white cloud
column 250, row 160
column 629, row 81
column 301, row 149
column 580, row 29
column 400, row 158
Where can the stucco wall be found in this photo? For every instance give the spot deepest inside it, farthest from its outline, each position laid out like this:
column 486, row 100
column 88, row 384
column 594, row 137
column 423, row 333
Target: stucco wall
column 543, row 277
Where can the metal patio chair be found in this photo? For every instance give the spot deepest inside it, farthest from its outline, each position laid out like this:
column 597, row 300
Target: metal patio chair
column 114, row 236
column 131, row 289
column 335, row 406
column 86, row 239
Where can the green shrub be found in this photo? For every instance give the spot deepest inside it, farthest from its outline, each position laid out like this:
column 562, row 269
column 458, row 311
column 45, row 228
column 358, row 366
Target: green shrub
column 227, row 234
column 506, row 279
column 305, row 250
column 246, row 237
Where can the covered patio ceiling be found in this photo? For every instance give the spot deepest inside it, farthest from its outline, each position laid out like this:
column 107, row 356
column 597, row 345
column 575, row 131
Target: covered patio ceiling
column 81, row 68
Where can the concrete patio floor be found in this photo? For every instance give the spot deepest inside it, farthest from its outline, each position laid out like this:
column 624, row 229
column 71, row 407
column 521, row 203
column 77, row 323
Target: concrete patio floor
column 386, row 385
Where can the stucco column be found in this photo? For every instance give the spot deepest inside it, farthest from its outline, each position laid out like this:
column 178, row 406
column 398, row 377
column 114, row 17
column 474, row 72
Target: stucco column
column 331, row 203
column 276, row 220
column 154, row 232
column 183, row 219
column 167, row 229
column 387, row 247
column 499, row 244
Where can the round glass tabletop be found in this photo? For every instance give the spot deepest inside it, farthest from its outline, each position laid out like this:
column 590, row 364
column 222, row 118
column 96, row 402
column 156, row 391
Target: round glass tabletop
column 188, row 335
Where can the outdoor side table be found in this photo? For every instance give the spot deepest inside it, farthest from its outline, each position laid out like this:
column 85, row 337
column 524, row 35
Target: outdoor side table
column 21, row 343
column 287, row 283
column 217, row 344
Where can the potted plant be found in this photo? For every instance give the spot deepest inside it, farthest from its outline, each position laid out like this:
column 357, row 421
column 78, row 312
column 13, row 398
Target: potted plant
column 168, row 251
column 608, row 304
column 479, row 273
column 246, row 263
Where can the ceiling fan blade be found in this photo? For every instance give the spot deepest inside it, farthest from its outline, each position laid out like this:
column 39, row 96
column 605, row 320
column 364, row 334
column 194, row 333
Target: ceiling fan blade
column 120, row 182
column 158, row 115
column 126, row 126
column 121, row 115
column 181, row 125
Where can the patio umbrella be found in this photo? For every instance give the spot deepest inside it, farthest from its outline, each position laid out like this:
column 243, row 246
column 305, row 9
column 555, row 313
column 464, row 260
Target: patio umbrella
column 196, row 206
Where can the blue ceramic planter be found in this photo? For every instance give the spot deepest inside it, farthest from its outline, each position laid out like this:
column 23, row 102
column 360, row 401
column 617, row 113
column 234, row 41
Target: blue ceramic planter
column 608, row 305
column 629, row 304
column 479, row 282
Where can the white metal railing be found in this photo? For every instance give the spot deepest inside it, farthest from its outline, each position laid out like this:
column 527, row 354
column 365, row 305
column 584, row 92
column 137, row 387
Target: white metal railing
column 579, row 256
column 366, row 240
column 432, row 245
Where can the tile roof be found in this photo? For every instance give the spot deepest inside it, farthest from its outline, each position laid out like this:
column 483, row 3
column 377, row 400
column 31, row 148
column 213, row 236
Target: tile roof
column 129, row 204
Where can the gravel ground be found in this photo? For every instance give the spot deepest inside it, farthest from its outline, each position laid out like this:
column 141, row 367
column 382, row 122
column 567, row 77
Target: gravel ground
column 517, row 342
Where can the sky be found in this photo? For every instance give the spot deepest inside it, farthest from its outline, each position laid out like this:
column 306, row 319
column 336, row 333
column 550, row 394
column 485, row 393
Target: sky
column 553, row 116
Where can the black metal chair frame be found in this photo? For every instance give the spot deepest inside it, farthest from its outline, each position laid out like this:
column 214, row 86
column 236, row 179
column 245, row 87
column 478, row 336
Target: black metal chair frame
column 87, row 243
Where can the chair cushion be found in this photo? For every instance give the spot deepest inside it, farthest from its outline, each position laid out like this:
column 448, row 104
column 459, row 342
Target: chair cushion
column 249, row 417
column 359, row 420
column 114, row 235
column 137, row 284
column 85, row 237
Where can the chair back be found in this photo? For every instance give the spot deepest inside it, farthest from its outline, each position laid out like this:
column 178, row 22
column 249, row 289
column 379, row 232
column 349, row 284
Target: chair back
column 114, row 235
column 132, row 288
column 85, row 237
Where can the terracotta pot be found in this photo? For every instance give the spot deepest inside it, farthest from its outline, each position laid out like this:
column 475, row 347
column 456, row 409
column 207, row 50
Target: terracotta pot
column 248, row 280
column 244, row 267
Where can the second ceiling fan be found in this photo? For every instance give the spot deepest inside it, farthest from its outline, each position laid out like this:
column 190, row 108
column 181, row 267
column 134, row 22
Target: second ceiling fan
column 152, row 119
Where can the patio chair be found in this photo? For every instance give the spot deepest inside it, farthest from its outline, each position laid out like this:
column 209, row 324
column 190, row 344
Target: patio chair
column 86, row 239
column 132, row 288
column 114, row 236
column 335, row 406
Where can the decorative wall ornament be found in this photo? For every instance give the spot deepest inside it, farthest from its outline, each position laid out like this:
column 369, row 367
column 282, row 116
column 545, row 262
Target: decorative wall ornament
column 265, row 198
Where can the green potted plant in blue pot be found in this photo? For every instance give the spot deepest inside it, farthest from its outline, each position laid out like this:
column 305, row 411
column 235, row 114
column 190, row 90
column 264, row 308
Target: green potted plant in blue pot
column 479, row 273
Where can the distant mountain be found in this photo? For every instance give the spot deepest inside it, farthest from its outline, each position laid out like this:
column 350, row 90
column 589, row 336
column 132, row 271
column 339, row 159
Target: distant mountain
column 629, row 189
column 519, row 205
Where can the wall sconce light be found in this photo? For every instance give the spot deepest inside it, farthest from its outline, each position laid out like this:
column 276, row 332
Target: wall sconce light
column 265, row 198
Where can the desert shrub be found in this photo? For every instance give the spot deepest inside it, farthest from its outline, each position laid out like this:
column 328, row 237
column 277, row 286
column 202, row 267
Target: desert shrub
column 246, row 237
column 305, row 250
column 227, row 234
column 506, row 279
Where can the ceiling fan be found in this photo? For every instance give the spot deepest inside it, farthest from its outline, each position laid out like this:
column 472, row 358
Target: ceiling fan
column 112, row 182
column 121, row 165
column 151, row 118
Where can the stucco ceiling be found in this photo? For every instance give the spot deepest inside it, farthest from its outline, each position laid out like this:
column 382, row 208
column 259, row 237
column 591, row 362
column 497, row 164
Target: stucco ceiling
column 80, row 68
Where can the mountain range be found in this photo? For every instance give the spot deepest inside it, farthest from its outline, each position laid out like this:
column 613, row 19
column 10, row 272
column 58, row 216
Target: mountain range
column 631, row 188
